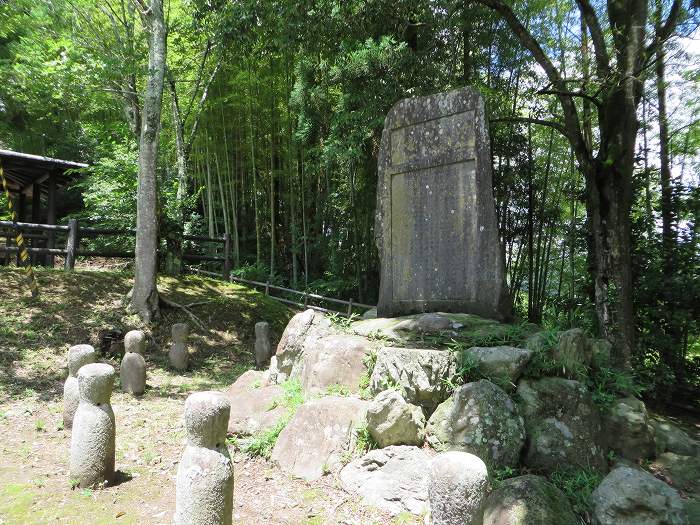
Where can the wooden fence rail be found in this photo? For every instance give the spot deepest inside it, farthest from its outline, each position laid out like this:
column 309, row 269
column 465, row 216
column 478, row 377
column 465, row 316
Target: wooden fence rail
column 306, row 296
column 74, row 232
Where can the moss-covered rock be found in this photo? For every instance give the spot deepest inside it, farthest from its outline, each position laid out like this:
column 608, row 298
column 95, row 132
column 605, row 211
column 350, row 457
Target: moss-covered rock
column 563, row 425
column 481, row 419
column 627, row 429
column 528, row 500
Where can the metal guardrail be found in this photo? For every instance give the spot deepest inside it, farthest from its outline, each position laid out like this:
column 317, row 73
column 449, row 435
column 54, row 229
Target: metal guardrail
column 306, row 296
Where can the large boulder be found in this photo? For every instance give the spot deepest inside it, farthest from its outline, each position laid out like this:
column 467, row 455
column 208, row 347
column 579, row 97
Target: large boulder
column 670, row 438
column 394, row 479
column 627, row 429
column 422, row 375
column 501, row 364
column 253, row 404
column 481, row 419
column 629, row 496
column 457, row 487
column 562, row 423
column 302, row 332
column 320, row 433
column 528, row 500
column 334, row 360
column 393, row 421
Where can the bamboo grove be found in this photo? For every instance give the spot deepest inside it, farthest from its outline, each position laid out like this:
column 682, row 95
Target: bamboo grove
column 272, row 116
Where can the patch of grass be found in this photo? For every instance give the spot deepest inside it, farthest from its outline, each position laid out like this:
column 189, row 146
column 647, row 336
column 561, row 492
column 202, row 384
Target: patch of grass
column 337, row 389
column 499, row 475
column 608, row 384
column 577, row 486
column 40, row 426
column 364, row 440
column 263, row 442
column 342, row 322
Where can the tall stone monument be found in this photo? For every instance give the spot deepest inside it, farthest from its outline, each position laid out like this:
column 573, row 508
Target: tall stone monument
column 436, row 221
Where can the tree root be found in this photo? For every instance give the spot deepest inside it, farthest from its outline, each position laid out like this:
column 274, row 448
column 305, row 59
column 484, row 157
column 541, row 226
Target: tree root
column 194, row 318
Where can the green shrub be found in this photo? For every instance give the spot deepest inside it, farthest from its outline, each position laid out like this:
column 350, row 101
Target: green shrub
column 578, row 487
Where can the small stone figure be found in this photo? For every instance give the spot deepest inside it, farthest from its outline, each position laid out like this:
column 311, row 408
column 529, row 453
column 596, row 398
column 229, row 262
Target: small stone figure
column 263, row 346
column 204, row 493
column 92, row 442
column 458, row 483
column 78, row 356
column 133, row 369
column 178, row 355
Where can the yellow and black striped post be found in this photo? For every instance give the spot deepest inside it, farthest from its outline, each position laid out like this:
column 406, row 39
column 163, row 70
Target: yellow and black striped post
column 23, row 253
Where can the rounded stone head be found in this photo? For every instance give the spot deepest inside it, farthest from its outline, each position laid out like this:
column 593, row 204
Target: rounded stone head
column 262, row 329
column 95, row 382
column 135, row 341
column 78, row 356
column 206, row 419
column 180, row 331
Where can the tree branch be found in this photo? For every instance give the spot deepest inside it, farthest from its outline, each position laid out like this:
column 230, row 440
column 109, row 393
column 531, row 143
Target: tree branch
column 602, row 58
column 666, row 29
column 579, row 94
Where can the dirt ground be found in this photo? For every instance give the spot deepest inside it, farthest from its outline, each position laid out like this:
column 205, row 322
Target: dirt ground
column 75, row 308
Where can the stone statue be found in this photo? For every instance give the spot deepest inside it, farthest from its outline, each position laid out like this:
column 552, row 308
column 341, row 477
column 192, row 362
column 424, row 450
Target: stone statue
column 78, row 356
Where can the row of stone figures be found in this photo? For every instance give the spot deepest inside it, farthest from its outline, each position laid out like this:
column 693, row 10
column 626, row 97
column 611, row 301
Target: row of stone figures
column 204, row 487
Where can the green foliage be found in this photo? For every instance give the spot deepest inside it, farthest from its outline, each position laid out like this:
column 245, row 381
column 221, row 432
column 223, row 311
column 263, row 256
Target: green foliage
column 337, row 390
column 608, row 384
column 341, row 321
column 499, row 475
column 578, row 487
column 364, row 440
column 263, row 442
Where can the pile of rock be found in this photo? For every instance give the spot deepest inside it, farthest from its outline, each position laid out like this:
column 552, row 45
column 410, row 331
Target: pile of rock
column 424, row 419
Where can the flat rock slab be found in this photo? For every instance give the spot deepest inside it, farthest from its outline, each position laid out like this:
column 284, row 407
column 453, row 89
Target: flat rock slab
column 253, row 404
column 313, row 442
column 335, row 360
column 407, row 327
column 394, row 479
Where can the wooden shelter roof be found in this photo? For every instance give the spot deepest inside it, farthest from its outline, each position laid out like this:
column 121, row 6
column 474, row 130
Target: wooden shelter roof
column 24, row 170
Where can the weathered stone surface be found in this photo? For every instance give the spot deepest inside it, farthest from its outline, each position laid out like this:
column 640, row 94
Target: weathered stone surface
column 78, row 356
column 681, row 472
column 670, row 438
column 135, row 342
column 457, row 487
column 562, row 424
column 263, row 345
column 204, row 487
column 334, row 360
column 481, row 419
column 502, row 364
column 394, row 479
column 627, row 430
column 92, row 440
column 314, row 441
column 301, row 333
column 370, row 314
column 253, row 404
column 132, row 373
column 436, row 223
column 392, row 421
column 573, row 351
column 528, row 500
column 422, row 375
column 178, row 354
column 629, row 496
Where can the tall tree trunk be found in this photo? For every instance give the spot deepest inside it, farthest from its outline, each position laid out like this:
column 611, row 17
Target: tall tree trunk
column 144, row 297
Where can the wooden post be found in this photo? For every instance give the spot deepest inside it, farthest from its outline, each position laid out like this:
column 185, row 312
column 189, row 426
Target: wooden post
column 227, row 256
column 21, row 214
column 267, row 288
column 36, row 218
column 71, row 244
column 306, row 300
column 51, row 217
column 350, row 307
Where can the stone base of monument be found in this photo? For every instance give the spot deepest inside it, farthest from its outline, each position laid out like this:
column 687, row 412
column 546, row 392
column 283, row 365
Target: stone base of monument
column 429, row 383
